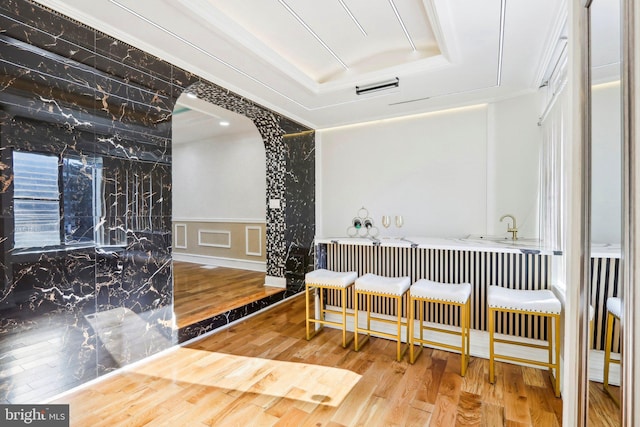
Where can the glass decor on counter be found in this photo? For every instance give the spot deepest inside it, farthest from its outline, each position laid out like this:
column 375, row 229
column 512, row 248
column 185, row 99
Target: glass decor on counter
column 362, row 225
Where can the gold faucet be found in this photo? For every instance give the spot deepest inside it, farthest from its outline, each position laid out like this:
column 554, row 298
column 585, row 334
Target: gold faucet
column 513, row 229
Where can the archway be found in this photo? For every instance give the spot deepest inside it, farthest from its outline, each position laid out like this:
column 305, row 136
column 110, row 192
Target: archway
column 289, row 198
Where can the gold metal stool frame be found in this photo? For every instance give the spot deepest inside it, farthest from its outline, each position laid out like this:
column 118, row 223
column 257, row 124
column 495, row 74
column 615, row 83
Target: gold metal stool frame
column 398, row 321
column 465, row 326
column 553, row 337
column 611, row 317
column 319, row 288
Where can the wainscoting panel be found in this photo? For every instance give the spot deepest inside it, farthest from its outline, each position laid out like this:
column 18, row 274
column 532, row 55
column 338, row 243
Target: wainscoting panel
column 480, row 269
column 253, row 240
column 180, row 233
column 228, row 239
column 214, row 238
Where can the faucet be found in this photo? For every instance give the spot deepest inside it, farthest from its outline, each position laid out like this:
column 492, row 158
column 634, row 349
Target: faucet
column 512, row 229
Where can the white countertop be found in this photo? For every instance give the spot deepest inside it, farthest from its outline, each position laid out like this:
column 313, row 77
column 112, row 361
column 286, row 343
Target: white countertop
column 473, row 243
column 606, row 250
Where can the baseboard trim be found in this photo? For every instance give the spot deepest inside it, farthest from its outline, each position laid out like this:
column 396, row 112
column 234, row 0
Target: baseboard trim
column 596, row 367
column 260, row 266
column 276, row 282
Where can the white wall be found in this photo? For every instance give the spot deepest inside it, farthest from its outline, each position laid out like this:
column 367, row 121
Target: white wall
column 449, row 173
column 220, row 178
column 606, row 166
column 514, row 151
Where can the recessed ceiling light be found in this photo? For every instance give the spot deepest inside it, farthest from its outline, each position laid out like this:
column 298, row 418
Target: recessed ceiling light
column 224, row 123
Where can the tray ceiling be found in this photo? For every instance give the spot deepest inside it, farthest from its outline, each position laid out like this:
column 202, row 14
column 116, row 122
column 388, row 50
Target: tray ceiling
column 305, row 58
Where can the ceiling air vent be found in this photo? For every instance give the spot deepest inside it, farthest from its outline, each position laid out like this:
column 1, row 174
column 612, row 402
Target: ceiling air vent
column 375, row 87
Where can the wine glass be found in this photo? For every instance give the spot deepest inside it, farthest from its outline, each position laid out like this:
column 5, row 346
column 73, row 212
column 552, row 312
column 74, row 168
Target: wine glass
column 399, row 221
column 386, row 221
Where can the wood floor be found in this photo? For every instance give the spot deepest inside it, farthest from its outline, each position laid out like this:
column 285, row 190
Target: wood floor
column 603, row 412
column 201, row 292
column 262, row 372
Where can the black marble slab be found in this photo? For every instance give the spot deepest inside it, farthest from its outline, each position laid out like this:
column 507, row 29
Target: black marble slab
column 300, row 187
column 205, row 326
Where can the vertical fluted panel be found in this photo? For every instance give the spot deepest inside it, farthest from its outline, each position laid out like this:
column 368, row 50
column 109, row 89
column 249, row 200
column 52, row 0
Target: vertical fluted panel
column 480, row 269
column 605, row 281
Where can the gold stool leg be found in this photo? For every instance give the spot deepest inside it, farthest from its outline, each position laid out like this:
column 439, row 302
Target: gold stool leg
column 463, row 335
column 413, row 353
column 607, row 351
column 399, row 322
column 607, row 357
column 469, row 330
column 421, row 314
column 343, row 300
column 320, row 290
column 492, row 373
column 368, row 314
column 308, row 321
column 355, row 320
column 407, row 325
column 550, row 343
column 557, row 351
column 410, row 326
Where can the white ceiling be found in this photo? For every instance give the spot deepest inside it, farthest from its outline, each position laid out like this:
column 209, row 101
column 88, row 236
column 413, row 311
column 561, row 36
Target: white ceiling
column 195, row 120
column 461, row 52
column 605, row 40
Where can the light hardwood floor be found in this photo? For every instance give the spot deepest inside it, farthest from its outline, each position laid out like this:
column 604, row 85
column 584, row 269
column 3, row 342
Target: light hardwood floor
column 603, row 412
column 201, row 293
column 262, row 372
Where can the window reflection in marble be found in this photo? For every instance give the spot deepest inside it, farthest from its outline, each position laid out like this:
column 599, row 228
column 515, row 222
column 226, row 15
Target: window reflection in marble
column 81, row 177
column 36, row 200
column 39, row 209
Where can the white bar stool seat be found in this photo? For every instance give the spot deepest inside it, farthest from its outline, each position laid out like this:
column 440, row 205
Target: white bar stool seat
column 393, row 288
column 614, row 306
column 457, row 295
column 541, row 303
column 614, row 312
column 319, row 281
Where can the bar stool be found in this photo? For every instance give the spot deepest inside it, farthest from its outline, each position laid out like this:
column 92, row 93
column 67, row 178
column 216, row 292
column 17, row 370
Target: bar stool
column 456, row 295
column 393, row 288
column 614, row 311
column 541, row 303
column 320, row 280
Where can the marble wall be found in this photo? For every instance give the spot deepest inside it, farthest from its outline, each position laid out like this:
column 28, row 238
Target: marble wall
column 103, row 298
